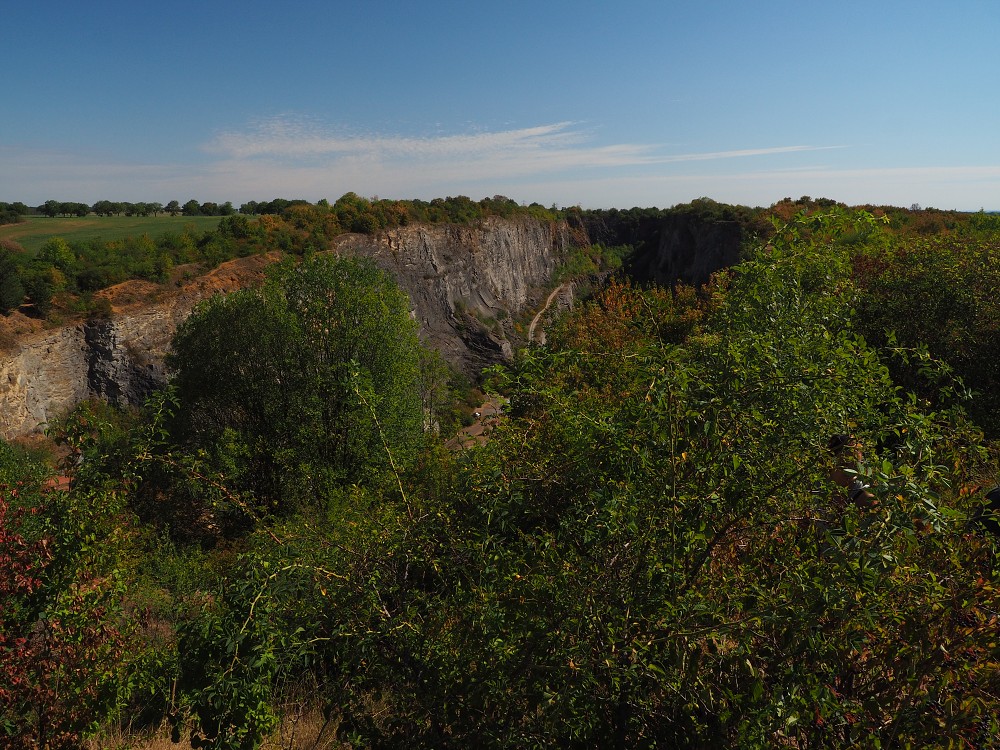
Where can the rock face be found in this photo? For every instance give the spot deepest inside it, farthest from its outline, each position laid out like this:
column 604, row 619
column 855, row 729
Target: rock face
column 678, row 247
column 465, row 283
column 689, row 251
column 125, row 355
column 460, row 277
column 44, row 378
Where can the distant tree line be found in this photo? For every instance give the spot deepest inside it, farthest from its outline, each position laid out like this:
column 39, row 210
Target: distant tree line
column 357, row 213
column 365, row 215
column 53, row 208
column 11, row 213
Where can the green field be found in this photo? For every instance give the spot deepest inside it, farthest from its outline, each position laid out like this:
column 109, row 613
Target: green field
column 34, row 232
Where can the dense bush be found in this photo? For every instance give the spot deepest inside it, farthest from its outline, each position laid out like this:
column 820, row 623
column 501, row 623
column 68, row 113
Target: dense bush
column 12, row 213
column 294, row 388
column 939, row 293
column 64, row 639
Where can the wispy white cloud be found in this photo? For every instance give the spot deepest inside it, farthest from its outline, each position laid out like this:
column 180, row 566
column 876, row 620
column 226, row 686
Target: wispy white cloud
column 536, row 150
column 286, row 137
column 295, row 156
column 712, row 155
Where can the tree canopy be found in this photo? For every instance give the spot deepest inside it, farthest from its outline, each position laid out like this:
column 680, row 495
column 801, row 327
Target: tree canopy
column 305, row 381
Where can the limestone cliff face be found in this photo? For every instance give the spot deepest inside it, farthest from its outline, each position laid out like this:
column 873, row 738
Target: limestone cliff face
column 459, row 276
column 125, row 354
column 43, row 379
column 689, row 251
column 678, row 247
column 456, row 276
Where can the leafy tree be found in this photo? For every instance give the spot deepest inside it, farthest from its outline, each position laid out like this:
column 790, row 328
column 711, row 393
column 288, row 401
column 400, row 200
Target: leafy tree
column 39, row 286
column 11, row 286
column 57, row 252
column 298, row 386
column 63, row 640
column 437, row 397
column 11, row 213
column 939, row 293
column 353, row 212
column 238, row 227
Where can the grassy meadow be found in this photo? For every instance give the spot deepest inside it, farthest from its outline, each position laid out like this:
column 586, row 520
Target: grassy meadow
column 33, row 233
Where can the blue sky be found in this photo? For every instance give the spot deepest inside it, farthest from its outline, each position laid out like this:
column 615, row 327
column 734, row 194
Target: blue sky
column 566, row 103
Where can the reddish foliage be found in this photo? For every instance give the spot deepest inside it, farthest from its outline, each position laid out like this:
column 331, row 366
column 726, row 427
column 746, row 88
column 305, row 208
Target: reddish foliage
column 55, row 646
column 622, row 317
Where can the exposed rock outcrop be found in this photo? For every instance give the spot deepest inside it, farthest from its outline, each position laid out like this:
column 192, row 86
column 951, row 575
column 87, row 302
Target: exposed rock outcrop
column 459, row 276
column 670, row 247
column 44, row 378
column 689, row 250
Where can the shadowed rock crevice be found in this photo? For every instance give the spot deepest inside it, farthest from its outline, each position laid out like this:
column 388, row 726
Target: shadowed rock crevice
column 120, row 370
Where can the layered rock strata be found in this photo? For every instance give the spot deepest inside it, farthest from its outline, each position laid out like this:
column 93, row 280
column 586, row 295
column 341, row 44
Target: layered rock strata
column 467, row 283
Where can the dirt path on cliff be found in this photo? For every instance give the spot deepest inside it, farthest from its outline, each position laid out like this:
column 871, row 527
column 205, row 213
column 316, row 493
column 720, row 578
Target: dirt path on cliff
column 486, row 416
column 538, row 315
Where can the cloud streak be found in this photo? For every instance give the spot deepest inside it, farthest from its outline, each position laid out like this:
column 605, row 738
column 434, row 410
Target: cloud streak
column 536, row 150
column 290, row 138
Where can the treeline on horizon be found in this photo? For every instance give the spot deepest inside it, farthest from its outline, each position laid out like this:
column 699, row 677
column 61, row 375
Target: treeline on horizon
column 458, row 209
column 64, row 274
column 652, row 550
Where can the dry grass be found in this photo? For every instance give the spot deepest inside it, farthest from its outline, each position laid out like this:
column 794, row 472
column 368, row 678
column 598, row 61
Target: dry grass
column 302, row 728
column 120, row 739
